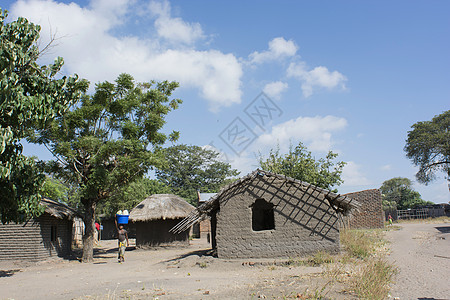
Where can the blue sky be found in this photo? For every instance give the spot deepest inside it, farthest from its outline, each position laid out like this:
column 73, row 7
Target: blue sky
column 347, row 76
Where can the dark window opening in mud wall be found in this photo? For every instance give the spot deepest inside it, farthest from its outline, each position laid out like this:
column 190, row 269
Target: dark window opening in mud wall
column 53, row 233
column 262, row 215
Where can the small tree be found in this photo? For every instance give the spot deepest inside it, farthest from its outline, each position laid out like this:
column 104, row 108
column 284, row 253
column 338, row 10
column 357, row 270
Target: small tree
column 192, row 168
column 299, row 163
column 428, row 146
column 30, row 97
column 109, row 140
column 398, row 193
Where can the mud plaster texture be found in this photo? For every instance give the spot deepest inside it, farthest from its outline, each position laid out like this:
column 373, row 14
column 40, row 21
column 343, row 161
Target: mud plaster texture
column 304, row 222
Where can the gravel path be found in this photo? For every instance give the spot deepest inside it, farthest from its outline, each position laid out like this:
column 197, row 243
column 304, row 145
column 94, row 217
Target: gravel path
column 422, row 254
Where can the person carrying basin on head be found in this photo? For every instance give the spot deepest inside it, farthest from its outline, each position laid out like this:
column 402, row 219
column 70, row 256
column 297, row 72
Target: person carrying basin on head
column 122, row 236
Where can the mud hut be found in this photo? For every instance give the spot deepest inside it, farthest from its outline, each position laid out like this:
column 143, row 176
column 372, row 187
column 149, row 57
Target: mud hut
column 39, row 238
column 268, row 215
column 154, row 216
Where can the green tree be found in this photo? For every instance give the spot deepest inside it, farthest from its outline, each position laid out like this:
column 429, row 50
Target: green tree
column 54, row 189
column 428, row 146
column 192, row 168
column 131, row 195
column 30, row 97
column 299, row 163
column 108, row 140
column 398, row 193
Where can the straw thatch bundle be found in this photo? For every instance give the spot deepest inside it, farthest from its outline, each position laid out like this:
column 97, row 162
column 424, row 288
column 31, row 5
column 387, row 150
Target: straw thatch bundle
column 58, row 210
column 161, row 206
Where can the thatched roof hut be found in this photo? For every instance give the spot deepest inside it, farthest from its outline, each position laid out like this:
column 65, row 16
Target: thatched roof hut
column 161, row 206
column 154, row 217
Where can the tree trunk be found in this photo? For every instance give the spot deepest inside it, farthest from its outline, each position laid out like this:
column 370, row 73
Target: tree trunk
column 89, row 225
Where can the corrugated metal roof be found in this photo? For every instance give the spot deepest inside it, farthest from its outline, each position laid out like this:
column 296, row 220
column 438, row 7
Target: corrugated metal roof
column 204, row 197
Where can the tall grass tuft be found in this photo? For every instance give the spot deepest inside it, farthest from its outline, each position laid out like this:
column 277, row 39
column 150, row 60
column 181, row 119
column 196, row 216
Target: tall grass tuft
column 360, row 243
column 373, row 280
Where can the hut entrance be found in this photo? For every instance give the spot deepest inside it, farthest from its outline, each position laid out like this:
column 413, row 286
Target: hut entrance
column 262, row 215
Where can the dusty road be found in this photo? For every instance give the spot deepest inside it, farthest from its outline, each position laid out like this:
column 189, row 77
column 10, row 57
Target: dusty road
column 164, row 274
column 421, row 251
column 422, row 254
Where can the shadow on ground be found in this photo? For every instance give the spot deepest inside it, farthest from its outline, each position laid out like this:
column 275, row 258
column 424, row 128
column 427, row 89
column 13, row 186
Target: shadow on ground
column 443, row 229
column 8, row 273
column 199, row 253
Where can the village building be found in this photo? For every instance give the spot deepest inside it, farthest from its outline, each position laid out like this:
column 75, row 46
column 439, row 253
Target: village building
column 202, row 229
column 268, row 215
column 370, row 214
column 48, row 235
column 153, row 218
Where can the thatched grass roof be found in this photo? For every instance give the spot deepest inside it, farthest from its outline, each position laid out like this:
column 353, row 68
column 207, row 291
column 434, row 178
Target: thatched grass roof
column 161, row 206
column 58, row 210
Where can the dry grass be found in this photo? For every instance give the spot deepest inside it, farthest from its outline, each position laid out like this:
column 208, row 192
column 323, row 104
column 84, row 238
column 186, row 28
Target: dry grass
column 359, row 243
column 372, row 274
column 427, row 221
column 373, row 279
column 320, row 258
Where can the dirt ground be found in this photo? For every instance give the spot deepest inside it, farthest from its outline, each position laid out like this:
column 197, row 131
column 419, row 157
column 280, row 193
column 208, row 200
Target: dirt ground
column 420, row 250
column 422, row 254
column 180, row 273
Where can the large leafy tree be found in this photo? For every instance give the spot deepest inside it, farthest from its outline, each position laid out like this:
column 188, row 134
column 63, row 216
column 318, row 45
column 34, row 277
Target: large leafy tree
column 109, row 140
column 428, row 146
column 131, row 195
column 398, row 193
column 192, row 168
column 299, row 163
column 31, row 95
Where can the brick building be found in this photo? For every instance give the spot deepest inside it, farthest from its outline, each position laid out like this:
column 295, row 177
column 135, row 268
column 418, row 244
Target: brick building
column 268, row 215
column 39, row 238
column 370, row 214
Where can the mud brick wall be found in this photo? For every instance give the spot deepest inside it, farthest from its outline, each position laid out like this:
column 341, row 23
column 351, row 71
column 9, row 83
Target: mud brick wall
column 371, row 214
column 156, row 233
column 304, row 221
column 205, row 227
column 31, row 241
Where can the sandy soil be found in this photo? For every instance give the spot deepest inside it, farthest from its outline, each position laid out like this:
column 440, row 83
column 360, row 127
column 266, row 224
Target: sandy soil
column 186, row 273
column 421, row 251
column 422, row 254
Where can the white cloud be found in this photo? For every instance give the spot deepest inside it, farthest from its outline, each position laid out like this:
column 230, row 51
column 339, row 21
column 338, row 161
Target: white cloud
column 315, row 132
column 437, row 191
column 317, row 78
column 93, row 52
column 278, row 48
column 245, row 162
column 172, row 29
column 386, row 168
column 275, row 89
column 353, row 176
